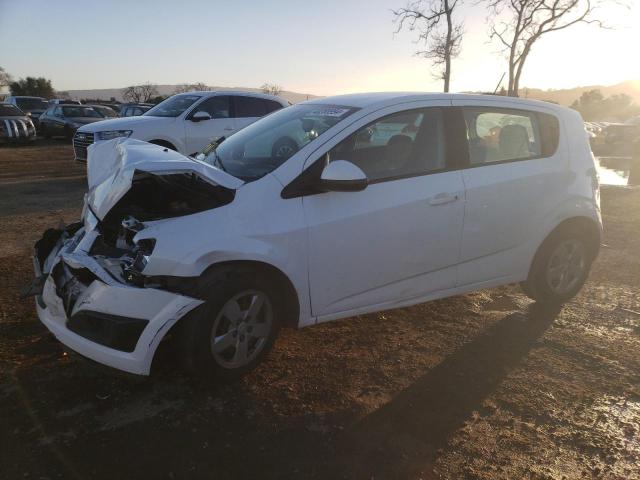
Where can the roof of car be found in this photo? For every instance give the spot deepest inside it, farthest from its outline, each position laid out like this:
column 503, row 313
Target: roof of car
column 362, row 100
column 233, row 92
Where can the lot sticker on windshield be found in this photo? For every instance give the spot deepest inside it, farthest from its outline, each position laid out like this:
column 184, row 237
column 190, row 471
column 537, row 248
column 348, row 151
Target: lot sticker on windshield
column 329, row 112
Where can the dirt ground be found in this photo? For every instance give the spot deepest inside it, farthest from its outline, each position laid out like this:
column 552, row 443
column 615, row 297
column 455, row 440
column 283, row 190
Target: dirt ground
column 480, row 386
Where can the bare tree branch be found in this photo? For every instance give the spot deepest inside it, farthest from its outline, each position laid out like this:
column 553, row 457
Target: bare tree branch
column 140, row 93
column 530, row 20
column 191, row 87
column 437, row 31
column 271, row 89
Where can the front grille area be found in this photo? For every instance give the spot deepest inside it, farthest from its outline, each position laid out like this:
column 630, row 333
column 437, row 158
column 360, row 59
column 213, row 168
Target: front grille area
column 81, row 140
column 119, row 333
column 17, row 130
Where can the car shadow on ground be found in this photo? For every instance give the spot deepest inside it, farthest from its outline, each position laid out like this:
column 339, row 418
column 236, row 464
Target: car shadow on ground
column 401, row 439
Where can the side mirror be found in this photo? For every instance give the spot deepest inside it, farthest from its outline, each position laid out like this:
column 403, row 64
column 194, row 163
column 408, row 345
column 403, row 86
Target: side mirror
column 200, row 116
column 342, row 176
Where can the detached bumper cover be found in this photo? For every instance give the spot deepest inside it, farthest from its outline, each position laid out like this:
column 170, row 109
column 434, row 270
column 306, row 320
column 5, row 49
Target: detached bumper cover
column 95, row 314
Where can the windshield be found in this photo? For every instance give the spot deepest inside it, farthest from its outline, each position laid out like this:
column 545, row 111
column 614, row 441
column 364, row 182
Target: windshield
column 32, row 104
column 173, row 106
column 80, row 112
column 9, row 111
column 265, row 145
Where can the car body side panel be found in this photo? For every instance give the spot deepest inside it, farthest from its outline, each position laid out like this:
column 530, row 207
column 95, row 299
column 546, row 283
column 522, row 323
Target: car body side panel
column 507, row 204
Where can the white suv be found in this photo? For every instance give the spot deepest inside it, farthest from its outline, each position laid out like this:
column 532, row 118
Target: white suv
column 381, row 201
column 186, row 122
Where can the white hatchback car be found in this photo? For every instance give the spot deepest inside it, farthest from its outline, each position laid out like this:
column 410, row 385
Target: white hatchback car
column 186, row 122
column 383, row 200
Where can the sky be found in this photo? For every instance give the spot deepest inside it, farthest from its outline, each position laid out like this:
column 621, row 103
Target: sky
column 323, row 48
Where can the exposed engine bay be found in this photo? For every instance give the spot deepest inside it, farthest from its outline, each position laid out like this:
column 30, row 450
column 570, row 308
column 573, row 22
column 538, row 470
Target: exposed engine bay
column 151, row 197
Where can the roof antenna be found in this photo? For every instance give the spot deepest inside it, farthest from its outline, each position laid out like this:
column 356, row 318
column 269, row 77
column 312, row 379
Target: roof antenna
column 499, row 83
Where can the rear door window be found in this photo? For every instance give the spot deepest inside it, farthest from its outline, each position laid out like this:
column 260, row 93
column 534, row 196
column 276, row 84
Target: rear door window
column 499, row 135
column 272, row 106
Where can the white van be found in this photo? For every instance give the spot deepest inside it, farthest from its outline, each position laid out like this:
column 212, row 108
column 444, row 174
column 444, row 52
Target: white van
column 186, row 122
column 382, row 201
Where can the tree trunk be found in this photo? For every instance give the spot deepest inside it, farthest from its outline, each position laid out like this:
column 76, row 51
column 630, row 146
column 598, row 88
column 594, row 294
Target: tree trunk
column 448, row 48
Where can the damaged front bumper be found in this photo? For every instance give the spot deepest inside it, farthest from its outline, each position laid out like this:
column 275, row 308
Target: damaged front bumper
column 94, row 311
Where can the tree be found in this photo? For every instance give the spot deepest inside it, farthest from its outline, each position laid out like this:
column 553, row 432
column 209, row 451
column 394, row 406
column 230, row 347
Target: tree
column 593, row 106
column 37, row 87
column 271, row 88
column 140, row 93
column 191, row 87
column 5, row 78
column 157, row 99
column 437, row 30
column 520, row 24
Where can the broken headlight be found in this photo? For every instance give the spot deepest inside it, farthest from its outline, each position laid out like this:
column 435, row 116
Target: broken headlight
column 133, row 266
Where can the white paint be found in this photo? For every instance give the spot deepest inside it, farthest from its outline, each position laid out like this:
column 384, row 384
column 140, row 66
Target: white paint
column 395, row 243
column 187, row 136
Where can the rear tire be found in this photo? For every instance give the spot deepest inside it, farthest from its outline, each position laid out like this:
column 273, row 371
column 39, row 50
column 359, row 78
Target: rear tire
column 560, row 268
column 236, row 327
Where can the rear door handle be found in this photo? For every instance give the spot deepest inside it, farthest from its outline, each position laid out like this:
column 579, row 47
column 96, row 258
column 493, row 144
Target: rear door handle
column 442, row 198
column 228, row 129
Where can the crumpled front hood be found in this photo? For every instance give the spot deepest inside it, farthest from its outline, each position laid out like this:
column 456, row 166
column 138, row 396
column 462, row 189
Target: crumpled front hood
column 111, row 166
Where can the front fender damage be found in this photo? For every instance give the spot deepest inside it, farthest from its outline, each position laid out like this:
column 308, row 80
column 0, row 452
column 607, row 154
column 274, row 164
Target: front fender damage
column 90, row 286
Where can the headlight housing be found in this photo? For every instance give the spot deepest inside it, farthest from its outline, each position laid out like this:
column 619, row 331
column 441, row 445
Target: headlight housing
column 111, row 134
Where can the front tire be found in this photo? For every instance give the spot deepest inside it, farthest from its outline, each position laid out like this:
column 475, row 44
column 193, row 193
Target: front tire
column 233, row 331
column 68, row 133
column 560, row 269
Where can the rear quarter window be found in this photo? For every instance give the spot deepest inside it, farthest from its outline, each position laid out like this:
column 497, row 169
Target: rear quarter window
column 249, row 107
column 549, row 127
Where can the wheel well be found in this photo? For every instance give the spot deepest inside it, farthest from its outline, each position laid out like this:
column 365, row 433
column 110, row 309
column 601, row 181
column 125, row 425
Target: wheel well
column 581, row 225
column 289, row 294
column 164, row 143
column 584, row 226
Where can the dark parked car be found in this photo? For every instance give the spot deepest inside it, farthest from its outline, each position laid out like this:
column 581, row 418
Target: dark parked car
column 32, row 106
column 134, row 109
column 621, row 133
column 15, row 125
column 63, row 101
column 64, row 120
column 104, row 110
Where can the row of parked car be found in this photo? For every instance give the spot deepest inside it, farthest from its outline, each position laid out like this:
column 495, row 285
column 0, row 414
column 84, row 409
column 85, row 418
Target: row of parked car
column 22, row 116
column 610, row 133
column 186, row 122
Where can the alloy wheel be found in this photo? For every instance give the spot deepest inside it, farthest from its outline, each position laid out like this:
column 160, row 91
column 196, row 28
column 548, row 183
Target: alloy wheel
column 241, row 329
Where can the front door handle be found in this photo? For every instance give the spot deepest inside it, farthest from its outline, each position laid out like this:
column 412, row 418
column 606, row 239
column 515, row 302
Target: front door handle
column 228, row 129
column 442, row 198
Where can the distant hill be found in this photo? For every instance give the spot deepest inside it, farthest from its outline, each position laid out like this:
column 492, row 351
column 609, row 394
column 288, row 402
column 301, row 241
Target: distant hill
column 563, row 96
column 107, row 93
column 568, row 96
